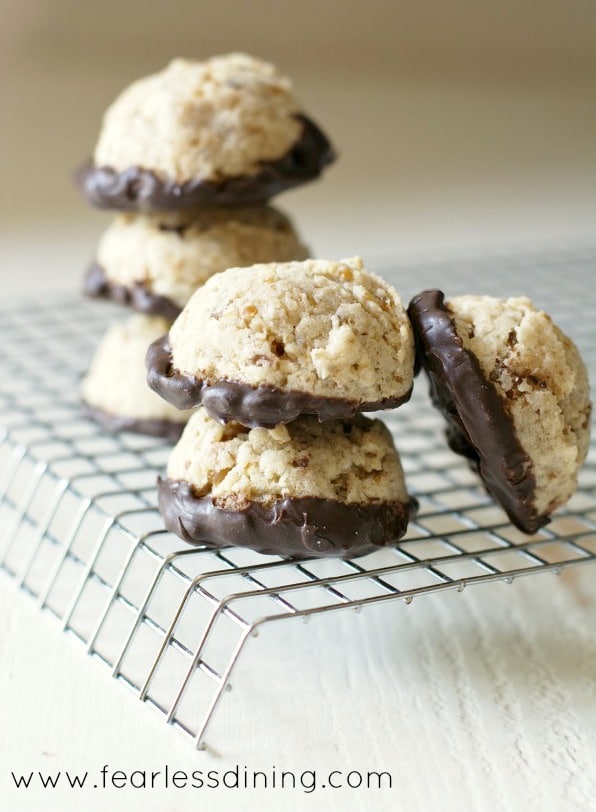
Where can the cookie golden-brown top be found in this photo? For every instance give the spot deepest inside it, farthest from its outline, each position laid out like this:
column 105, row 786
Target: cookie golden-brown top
column 327, row 328
column 352, row 463
column 212, row 119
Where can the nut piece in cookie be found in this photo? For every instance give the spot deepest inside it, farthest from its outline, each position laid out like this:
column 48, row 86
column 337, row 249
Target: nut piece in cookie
column 227, row 131
column 114, row 390
column 156, row 262
column 514, row 391
column 302, row 490
column 265, row 344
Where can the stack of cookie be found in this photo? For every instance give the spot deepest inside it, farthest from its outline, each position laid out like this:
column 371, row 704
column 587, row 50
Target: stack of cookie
column 271, row 359
column 189, row 157
column 280, row 362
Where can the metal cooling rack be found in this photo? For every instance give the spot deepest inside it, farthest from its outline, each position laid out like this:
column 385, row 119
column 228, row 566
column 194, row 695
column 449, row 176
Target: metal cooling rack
column 79, row 530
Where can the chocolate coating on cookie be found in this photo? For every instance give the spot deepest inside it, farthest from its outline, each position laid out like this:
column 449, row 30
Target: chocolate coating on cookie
column 97, row 286
column 307, row 527
column 478, row 424
column 252, row 406
column 139, row 189
column 152, row 426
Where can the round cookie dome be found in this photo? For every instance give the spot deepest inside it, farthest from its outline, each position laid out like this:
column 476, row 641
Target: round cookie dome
column 115, row 391
column 265, row 344
column 303, row 489
column 515, row 393
column 224, row 131
column 155, row 262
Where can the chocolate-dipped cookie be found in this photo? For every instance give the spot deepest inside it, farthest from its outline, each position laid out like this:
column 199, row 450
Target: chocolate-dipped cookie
column 155, row 263
column 266, row 344
column 224, row 132
column 114, row 390
column 302, row 490
column 514, row 391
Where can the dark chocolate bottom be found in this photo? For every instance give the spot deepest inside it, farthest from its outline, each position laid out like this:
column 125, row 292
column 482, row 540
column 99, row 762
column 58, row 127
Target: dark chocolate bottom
column 98, row 286
column 138, row 189
column 293, row 528
column 113, row 423
column 479, row 426
column 252, row 406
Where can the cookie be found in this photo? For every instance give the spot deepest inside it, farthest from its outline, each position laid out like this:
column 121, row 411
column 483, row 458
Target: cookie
column 302, row 490
column 156, row 262
column 265, row 344
column 227, row 131
column 514, row 390
column 114, row 390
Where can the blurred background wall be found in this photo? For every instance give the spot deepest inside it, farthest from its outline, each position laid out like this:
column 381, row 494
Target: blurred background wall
column 458, row 122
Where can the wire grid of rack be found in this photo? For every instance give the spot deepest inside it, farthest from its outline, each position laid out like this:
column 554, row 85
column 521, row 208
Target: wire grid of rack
column 80, row 532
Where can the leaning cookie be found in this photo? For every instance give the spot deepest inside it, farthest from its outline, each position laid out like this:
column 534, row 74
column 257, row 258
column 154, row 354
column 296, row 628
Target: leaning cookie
column 227, row 131
column 156, row 262
column 266, row 344
column 114, row 390
column 302, row 490
column 515, row 394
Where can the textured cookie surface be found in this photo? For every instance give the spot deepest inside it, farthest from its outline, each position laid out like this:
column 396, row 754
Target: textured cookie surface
column 115, row 385
column 542, row 378
column 329, row 329
column 515, row 393
column 236, row 465
column 171, row 255
column 302, row 489
column 212, row 119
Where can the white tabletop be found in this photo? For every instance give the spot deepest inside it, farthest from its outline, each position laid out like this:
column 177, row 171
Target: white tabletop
column 482, row 700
